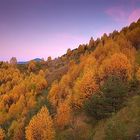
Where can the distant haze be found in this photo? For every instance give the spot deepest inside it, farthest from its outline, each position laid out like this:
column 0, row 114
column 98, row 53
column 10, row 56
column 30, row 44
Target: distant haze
column 40, row 28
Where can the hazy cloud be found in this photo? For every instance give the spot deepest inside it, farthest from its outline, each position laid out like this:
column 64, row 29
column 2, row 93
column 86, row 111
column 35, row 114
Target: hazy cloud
column 134, row 16
column 117, row 13
column 120, row 14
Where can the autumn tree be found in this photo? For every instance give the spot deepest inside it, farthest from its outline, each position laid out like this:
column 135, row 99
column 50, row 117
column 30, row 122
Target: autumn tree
column 17, row 108
column 49, row 59
column 81, row 48
column 114, row 34
column 133, row 36
column 53, row 94
column 40, row 126
column 138, row 74
column 13, row 61
column 84, row 88
column 97, row 41
column 16, row 130
column 104, row 38
column 117, row 65
column 43, row 62
column 106, row 50
column 37, row 82
column 2, row 134
column 47, row 72
column 61, row 90
column 32, row 66
column 91, row 43
column 126, row 47
column 69, row 52
column 64, row 115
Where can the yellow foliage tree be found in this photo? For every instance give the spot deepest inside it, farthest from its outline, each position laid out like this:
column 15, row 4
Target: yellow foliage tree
column 32, row 66
column 69, row 52
column 37, row 82
column 31, row 102
column 64, row 115
column 138, row 74
column 53, row 95
column 16, row 109
column 59, row 92
column 117, row 65
column 126, row 47
column 84, row 88
column 106, row 50
column 2, row 134
column 91, row 43
column 81, row 48
column 13, row 61
column 40, row 126
column 16, row 130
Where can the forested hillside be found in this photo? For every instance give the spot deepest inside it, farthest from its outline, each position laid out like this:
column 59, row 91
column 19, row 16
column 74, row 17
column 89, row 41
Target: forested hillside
column 89, row 93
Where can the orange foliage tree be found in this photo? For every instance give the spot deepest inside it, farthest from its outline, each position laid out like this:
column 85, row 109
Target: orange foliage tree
column 16, row 130
column 2, row 134
column 117, row 65
column 13, row 61
column 84, row 88
column 69, row 52
column 91, row 43
column 60, row 91
column 32, row 66
column 126, row 47
column 64, row 115
column 106, row 50
column 53, row 94
column 138, row 74
column 40, row 126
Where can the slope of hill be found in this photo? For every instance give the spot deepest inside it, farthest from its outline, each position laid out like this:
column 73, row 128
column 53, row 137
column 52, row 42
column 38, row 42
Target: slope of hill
column 91, row 92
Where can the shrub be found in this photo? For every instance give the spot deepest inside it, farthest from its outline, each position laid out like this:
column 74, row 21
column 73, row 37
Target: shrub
column 110, row 99
column 116, row 131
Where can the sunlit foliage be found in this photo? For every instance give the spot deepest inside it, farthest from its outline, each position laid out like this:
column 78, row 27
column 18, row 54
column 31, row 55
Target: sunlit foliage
column 117, row 65
column 2, row 134
column 95, row 80
column 64, row 115
column 40, row 126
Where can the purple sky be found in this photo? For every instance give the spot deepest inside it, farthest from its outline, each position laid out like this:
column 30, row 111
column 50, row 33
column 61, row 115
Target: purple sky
column 42, row 28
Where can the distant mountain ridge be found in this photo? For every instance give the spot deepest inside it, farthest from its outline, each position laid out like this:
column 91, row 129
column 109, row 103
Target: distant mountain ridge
column 25, row 62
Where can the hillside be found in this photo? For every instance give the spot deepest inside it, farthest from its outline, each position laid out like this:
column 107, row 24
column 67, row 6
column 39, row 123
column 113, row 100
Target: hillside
column 89, row 93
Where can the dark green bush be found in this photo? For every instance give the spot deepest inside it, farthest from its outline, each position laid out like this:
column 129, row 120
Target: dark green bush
column 110, row 99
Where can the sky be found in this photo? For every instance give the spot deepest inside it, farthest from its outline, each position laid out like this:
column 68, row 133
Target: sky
column 40, row 28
